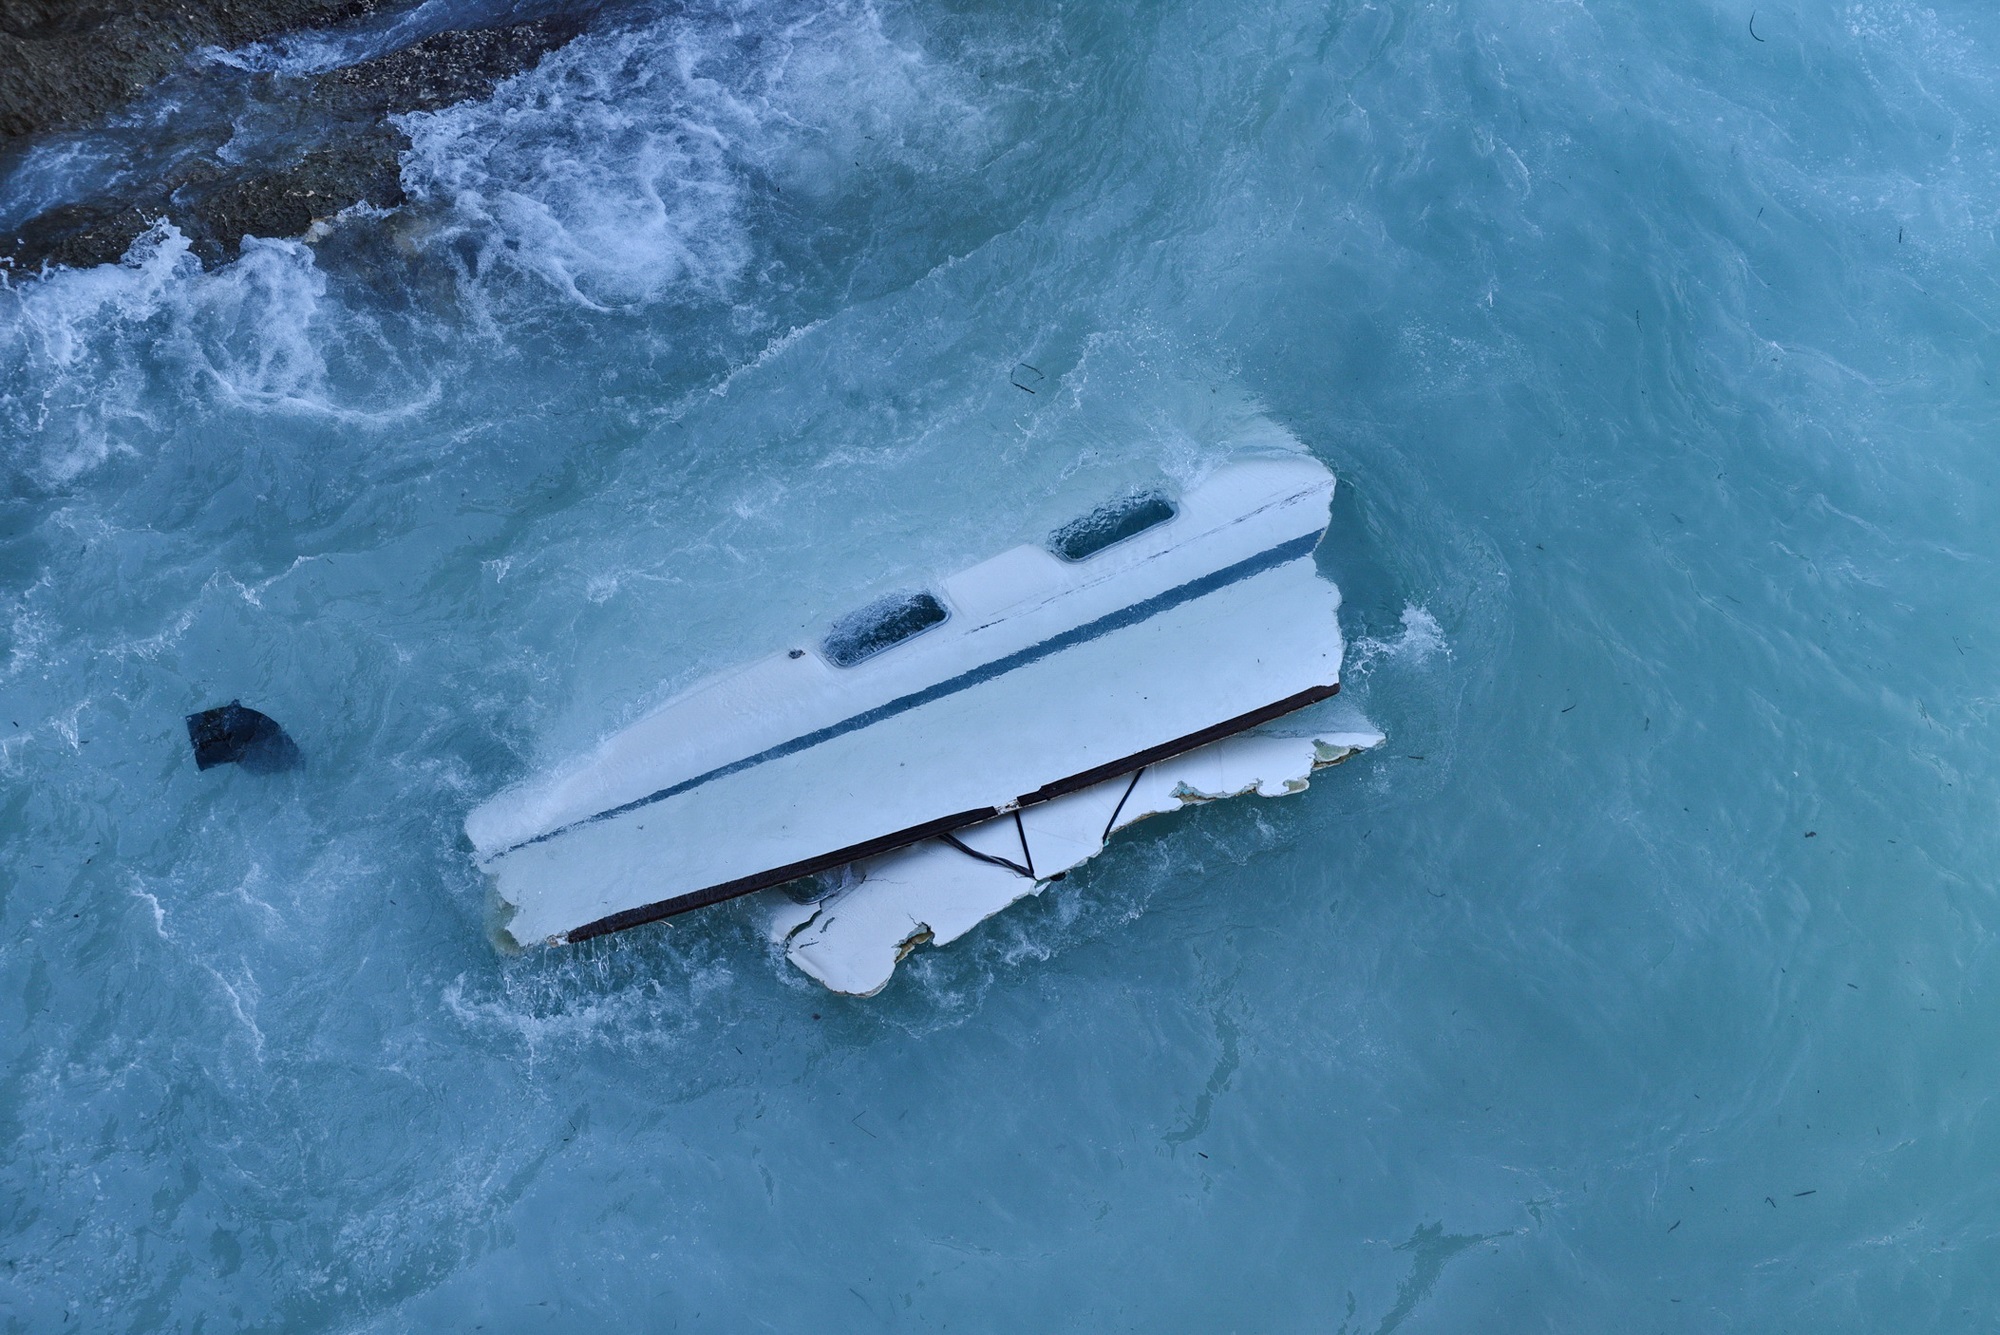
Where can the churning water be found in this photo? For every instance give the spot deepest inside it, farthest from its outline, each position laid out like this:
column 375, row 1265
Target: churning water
column 1646, row 979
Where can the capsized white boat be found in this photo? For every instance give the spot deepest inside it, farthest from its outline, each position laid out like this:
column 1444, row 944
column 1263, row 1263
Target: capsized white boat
column 1126, row 645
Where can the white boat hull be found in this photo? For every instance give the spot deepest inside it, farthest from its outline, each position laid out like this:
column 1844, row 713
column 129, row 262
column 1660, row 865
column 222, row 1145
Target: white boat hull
column 1049, row 678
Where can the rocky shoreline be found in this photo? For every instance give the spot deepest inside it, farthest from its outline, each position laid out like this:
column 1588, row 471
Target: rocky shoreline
column 64, row 64
column 64, row 67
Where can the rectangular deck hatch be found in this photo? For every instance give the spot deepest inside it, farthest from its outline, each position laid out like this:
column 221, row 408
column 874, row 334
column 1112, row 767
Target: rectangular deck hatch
column 882, row 624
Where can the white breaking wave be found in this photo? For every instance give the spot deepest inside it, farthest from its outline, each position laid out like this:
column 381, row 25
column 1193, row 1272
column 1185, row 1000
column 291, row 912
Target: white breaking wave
column 622, row 168
column 82, row 351
column 625, row 170
column 1420, row 640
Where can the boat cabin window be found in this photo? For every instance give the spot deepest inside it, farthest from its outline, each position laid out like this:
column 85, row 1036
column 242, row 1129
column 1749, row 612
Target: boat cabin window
column 1110, row 523
column 880, row 625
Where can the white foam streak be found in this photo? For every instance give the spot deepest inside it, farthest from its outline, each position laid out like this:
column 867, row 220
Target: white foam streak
column 622, row 170
column 1420, row 640
column 83, row 352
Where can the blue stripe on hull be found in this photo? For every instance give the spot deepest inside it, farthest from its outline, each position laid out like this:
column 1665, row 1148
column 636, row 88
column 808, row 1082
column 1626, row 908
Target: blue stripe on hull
column 999, row 667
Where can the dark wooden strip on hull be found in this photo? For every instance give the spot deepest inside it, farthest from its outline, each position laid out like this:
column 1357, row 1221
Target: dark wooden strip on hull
column 888, row 843
column 1076, row 783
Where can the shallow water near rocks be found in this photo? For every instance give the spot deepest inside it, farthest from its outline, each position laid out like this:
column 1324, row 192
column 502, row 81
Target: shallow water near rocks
column 1645, row 979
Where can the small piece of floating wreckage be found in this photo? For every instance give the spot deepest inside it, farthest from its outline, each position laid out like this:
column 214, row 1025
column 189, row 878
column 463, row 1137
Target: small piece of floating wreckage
column 958, row 747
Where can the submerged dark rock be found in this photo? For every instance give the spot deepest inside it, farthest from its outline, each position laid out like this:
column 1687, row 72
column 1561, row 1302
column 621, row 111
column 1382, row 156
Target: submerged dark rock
column 71, row 62
column 326, row 144
column 233, row 734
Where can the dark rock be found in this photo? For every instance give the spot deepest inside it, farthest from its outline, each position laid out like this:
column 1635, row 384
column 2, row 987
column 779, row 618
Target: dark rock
column 67, row 63
column 76, row 235
column 218, row 208
column 438, row 71
column 334, row 147
column 233, row 734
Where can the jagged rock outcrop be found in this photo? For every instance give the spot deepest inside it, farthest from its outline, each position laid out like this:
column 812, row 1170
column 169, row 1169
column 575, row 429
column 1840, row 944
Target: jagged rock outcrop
column 343, row 152
column 70, row 62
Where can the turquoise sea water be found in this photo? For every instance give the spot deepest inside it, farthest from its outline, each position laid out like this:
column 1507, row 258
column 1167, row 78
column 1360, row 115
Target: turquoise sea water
column 1645, row 981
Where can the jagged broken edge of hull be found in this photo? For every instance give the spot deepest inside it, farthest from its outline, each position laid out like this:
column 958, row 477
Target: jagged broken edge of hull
column 874, row 954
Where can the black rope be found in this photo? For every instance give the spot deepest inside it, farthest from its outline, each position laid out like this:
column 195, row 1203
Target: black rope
column 1121, row 804
column 1021, row 830
column 1014, row 867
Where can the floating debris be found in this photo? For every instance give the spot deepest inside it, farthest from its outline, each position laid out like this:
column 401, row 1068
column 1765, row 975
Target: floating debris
column 234, row 734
